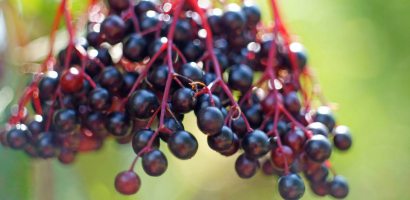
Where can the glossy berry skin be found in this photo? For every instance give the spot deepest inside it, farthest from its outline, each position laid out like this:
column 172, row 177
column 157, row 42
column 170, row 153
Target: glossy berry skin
column 252, row 14
column 222, row 60
column 318, row 128
column 295, row 139
column 268, row 169
column 111, row 79
column 234, row 147
column 255, row 144
column 193, row 50
column 118, row 5
column 158, row 77
column 318, row 148
column 154, row 162
column 144, row 6
column 301, row 54
column 134, row 47
column 240, row 78
column 204, row 101
column 324, row 115
column 93, row 69
column 233, row 19
column 239, row 127
column 36, row 126
column 192, row 71
column 48, row 85
column 171, row 125
column 47, row 145
column 291, row 186
column 210, row 120
column 71, row 80
column 95, row 122
column 80, row 97
column 246, row 167
column 342, row 138
column 141, row 140
column 214, row 17
column 149, row 20
column 118, row 124
column 292, row 103
column 100, row 100
column 338, row 187
column 129, row 79
column 182, row 144
column 320, row 188
column 254, row 115
column 142, row 104
column 221, row 141
column 112, row 29
column 318, row 176
column 281, row 127
column 66, row 120
column 277, row 157
column 127, row 183
column 182, row 33
column 183, row 100
column 18, row 137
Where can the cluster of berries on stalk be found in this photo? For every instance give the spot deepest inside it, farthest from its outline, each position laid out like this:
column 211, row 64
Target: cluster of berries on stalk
column 181, row 57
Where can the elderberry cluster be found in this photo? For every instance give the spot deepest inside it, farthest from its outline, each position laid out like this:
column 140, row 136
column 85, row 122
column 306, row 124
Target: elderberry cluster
column 240, row 78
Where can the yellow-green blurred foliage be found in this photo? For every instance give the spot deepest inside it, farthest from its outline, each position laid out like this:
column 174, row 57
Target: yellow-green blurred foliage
column 359, row 49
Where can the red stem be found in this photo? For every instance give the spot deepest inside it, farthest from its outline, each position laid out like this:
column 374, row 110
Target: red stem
column 152, row 118
column 175, row 48
column 50, row 115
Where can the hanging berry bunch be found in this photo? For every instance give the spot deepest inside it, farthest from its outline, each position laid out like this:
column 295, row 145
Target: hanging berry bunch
column 240, row 78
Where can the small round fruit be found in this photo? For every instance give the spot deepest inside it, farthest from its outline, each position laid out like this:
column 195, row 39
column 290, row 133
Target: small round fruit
column 342, row 138
column 118, row 124
column 246, row 167
column 66, row 120
column 234, row 148
column 255, row 144
column 291, row 186
column 127, row 183
column 318, row 176
column 318, row 128
column 72, row 80
column 277, row 157
column 18, row 137
column 295, row 139
column 171, row 124
column 142, row 104
column 118, row 5
column 182, row 144
column 318, row 148
column 233, row 19
column 100, row 100
column 142, row 138
column 240, row 78
column 338, row 187
column 221, row 141
column 325, row 116
column 183, row 100
column 210, row 120
column 47, row 85
column 47, row 145
column 111, row 79
column 192, row 71
column 134, row 47
column 154, row 162
column 112, row 29
column 158, row 77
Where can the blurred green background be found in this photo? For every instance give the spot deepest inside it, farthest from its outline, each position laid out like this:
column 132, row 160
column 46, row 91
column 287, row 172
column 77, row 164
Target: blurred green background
column 361, row 52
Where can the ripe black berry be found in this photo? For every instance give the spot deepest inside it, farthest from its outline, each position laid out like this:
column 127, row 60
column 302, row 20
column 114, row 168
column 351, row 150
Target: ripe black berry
column 295, row 139
column 255, row 144
column 183, row 100
column 318, row 176
column 18, row 137
column 47, row 145
column 182, row 144
column 193, row 50
column 141, row 139
column 215, row 20
column 318, row 148
column 66, row 120
column 210, row 120
column 240, row 78
column 144, row 6
column 142, row 104
column 95, row 122
column 292, row 103
column 112, row 29
column 291, row 186
column 318, row 128
column 118, row 5
column 342, row 138
column 172, row 125
column 111, row 79
column 134, row 47
column 118, row 124
column 129, row 79
column 233, row 19
column 234, row 148
column 252, row 13
column 100, row 100
column 154, row 163
column 246, row 167
column 338, row 187
column 324, row 115
column 48, row 85
column 221, row 141
column 158, row 77
column 277, row 157
column 192, row 71
column 239, row 127
column 254, row 115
